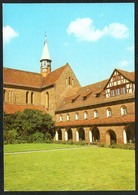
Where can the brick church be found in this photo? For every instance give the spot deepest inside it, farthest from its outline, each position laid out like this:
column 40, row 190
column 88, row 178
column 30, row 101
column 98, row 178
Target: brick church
column 100, row 112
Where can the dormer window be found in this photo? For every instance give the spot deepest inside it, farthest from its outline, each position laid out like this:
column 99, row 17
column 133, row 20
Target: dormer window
column 117, row 91
column 112, row 92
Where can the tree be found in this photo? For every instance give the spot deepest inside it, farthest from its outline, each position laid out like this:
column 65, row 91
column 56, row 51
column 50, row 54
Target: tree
column 30, row 122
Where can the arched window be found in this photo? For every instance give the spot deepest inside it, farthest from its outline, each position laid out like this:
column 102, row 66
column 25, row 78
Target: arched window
column 69, row 81
column 76, row 116
column 108, row 112
column 66, row 81
column 27, row 94
column 68, row 117
column 60, row 118
column 85, row 115
column 12, row 96
column 95, row 113
column 72, row 82
column 9, row 96
column 47, row 100
column 123, row 110
column 32, row 97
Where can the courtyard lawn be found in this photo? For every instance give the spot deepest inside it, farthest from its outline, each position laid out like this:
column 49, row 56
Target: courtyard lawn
column 71, row 169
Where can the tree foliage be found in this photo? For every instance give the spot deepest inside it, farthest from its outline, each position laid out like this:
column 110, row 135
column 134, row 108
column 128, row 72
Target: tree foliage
column 29, row 125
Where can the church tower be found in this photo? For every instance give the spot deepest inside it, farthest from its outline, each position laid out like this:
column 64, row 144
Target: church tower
column 45, row 61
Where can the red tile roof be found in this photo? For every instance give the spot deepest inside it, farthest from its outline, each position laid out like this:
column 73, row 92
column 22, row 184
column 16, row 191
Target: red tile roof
column 129, row 75
column 91, row 92
column 12, row 108
column 30, row 79
column 91, row 100
column 98, row 121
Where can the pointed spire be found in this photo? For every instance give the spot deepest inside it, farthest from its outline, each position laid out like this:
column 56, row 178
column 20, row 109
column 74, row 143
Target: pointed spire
column 45, row 61
column 45, row 53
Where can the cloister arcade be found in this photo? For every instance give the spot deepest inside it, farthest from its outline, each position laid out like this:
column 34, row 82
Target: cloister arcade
column 105, row 134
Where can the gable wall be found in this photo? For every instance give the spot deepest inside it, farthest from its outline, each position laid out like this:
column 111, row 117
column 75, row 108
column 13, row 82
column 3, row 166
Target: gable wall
column 63, row 86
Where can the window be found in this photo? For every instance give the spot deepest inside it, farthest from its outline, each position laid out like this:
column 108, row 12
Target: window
column 27, row 94
column 66, row 81
column 112, row 92
column 68, row 117
column 118, row 91
column 85, row 115
column 72, row 82
column 47, row 100
column 60, row 118
column 108, row 112
column 32, row 97
column 69, row 81
column 123, row 90
column 76, row 116
column 123, row 110
column 95, row 114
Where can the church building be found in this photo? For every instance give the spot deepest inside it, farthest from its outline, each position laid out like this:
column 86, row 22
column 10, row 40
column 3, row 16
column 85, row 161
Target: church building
column 100, row 112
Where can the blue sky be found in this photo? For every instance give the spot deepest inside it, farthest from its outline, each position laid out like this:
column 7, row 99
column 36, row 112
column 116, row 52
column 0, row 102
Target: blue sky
column 93, row 38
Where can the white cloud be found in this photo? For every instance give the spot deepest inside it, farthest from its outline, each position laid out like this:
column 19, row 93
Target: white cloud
column 84, row 29
column 123, row 63
column 8, row 34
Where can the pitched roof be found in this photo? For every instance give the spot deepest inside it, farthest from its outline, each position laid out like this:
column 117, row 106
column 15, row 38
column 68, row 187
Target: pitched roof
column 53, row 76
column 91, row 92
column 30, row 79
column 97, row 121
column 129, row 75
column 21, row 78
column 12, row 108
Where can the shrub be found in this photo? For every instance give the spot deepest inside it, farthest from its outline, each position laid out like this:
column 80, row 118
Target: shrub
column 10, row 136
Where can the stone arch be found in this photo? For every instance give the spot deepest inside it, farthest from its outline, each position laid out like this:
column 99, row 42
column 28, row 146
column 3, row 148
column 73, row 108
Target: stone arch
column 81, row 133
column 59, row 134
column 94, row 134
column 110, row 137
column 68, row 134
column 129, row 133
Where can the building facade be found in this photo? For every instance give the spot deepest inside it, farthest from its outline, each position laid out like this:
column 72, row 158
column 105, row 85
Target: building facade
column 101, row 112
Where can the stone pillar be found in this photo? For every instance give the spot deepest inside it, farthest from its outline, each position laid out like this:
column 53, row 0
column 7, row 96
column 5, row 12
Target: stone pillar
column 90, row 136
column 56, row 136
column 66, row 135
column 74, row 134
column 77, row 136
column 86, row 130
column 124, row 136
column 108, row 138
column 63, row 134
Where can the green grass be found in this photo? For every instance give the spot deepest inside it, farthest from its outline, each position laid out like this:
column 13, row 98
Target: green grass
column 33, row 147
column 81, row 168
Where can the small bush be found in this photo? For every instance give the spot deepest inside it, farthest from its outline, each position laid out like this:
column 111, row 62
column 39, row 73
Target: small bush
column 10, row 136
column 81, row 143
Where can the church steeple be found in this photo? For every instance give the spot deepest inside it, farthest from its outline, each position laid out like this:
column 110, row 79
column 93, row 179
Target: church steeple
column 45, row 60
